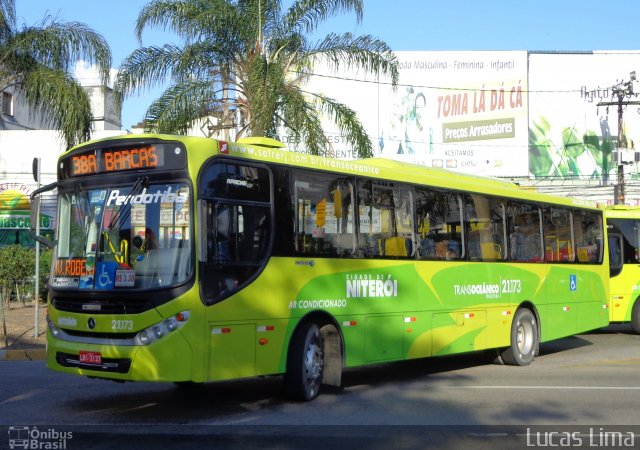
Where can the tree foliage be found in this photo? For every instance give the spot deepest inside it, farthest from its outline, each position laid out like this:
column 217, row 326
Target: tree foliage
column 248, row 62
column 17, row 265
column 37, row 61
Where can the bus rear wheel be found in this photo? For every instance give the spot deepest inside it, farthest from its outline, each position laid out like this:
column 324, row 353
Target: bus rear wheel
column 524, row 339
column 305, row 363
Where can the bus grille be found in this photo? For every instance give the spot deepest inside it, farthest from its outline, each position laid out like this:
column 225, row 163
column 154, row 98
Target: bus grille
column 101, row 306
column 91, row 334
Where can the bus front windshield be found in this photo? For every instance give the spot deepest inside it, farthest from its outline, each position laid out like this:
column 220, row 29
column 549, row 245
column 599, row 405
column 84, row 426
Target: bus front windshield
column 120, row 238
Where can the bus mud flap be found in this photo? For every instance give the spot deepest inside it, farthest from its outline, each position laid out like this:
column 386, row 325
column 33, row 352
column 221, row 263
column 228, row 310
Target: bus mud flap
column 332, row 373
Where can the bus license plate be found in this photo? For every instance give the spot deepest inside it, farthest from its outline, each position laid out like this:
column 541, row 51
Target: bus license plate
column 90, row 357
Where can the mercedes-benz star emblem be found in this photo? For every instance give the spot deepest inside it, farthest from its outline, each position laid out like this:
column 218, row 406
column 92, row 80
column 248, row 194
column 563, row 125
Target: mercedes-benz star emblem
column 91, row 322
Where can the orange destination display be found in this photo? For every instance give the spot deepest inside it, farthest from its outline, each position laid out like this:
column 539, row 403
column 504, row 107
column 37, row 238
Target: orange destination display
column 118, row 159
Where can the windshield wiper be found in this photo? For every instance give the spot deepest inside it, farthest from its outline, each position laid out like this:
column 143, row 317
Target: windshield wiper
column 119, row 217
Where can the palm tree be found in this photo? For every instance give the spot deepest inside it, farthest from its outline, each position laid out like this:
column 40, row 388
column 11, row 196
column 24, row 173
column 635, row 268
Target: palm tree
column 36, row 61
column 247, row 62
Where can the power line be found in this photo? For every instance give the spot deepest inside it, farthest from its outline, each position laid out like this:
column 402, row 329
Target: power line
column 443, row 88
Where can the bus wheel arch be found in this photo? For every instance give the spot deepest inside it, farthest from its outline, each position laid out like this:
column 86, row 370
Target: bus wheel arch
column 314, row 357
column 525, row 337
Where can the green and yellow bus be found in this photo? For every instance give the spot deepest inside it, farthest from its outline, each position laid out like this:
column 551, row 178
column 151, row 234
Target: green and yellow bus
column 623, row 227
column 192, row 260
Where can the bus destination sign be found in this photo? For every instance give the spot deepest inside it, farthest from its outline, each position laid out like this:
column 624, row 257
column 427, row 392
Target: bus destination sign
column 119, row 159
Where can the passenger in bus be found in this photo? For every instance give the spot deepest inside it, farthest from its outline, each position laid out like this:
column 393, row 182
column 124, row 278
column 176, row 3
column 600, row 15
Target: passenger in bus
column 137, row 253
column 525, row 243
column 453, row 250
column 150, row 239
column 141, row 247
column 589, row 248
column 517, row 244
column 533, row 246
column 427, row 248
column 441, row 249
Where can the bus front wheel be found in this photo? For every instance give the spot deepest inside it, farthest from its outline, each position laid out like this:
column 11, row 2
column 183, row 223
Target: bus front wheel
column 305, row 363
column 524, row 339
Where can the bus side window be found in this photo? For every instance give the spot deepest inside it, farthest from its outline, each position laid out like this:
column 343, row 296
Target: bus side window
column 484, row 219
column 628, row 232
column 236, row 217
column 438, row 225
column 588, row 233
column 525, row 232
column 386, row 219
column 343, row 237
column 323, row 214
column 559, row 239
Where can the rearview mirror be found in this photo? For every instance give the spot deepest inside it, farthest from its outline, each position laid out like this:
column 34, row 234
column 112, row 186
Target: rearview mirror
column 35, row 215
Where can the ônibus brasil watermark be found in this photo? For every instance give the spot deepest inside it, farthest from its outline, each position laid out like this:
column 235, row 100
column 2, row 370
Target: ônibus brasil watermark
column 26, row 437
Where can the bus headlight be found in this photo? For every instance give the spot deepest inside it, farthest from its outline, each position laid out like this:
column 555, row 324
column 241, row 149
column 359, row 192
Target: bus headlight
column 171, row 323
column 55, row 331
column 159, row 330
column 143, row 337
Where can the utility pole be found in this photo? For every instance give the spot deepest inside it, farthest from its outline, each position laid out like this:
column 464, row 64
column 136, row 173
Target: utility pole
column 621, row 91
column 37, row 177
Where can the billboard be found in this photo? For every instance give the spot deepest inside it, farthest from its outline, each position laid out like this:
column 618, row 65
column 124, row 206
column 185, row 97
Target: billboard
column 15, row 215
column 541, row 115
column 465, row 111
column 574, row 110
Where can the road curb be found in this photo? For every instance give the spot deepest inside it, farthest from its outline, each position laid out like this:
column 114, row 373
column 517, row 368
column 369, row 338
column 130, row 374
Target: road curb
column 23, row 354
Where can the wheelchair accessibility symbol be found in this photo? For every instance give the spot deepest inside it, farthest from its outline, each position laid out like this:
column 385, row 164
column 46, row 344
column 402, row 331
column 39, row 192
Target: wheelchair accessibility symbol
column 573, row 282
column 105, row 275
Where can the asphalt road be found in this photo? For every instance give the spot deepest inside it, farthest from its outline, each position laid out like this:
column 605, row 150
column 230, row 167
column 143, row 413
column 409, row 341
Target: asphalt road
column 585, row 389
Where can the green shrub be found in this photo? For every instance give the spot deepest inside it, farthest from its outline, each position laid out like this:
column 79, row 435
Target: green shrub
column 17, row 266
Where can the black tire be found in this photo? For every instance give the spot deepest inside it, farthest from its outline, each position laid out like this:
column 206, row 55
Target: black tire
column 635, row 317
column 305, row 363
column 524, row 339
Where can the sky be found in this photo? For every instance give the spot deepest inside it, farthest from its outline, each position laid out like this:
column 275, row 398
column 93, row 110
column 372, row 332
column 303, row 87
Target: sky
column 541, row 25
